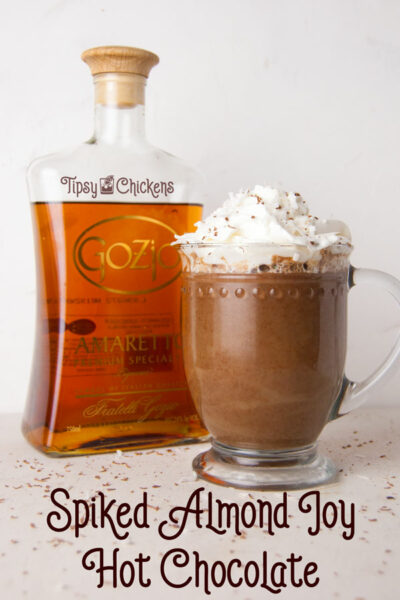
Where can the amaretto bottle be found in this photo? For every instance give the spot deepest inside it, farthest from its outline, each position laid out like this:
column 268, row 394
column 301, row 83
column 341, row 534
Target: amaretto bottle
column 107, row 370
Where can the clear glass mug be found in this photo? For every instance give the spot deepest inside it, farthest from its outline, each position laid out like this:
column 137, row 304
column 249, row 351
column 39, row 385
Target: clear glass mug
column 264, row 355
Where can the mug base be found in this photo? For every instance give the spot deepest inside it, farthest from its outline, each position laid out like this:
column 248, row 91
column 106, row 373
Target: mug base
column 264, row 470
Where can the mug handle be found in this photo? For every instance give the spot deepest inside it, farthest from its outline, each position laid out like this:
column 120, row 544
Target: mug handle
column 354, row 393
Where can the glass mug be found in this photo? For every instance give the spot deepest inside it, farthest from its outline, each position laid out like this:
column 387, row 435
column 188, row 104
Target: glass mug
column 264, row 355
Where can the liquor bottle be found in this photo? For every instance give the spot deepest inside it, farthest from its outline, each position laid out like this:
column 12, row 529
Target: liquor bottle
column 107, row 370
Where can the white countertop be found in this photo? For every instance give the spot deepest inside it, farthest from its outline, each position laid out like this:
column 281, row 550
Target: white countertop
column 38, row 562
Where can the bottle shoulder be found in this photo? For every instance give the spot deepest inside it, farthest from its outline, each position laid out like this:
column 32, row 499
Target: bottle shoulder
column 54, row 162
column 95, row 155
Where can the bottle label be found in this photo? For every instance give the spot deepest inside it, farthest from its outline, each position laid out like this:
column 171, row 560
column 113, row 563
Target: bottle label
column 110, row 311
column 110, row 251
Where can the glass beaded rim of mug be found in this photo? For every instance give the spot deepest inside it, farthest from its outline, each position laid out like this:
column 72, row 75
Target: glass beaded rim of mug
column 303, row 467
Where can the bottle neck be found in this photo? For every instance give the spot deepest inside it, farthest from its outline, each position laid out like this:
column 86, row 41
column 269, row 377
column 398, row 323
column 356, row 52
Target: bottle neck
column 119, row 109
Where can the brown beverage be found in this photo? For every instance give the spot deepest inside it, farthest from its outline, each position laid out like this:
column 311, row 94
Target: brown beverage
column 264, row 352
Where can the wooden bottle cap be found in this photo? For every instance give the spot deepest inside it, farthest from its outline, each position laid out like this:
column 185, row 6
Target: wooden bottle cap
column 120, row 59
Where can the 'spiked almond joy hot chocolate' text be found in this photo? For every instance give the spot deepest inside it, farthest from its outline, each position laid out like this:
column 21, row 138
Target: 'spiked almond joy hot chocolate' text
column 180, row 567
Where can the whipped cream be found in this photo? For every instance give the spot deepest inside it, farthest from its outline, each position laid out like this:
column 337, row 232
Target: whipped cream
column 257, row 226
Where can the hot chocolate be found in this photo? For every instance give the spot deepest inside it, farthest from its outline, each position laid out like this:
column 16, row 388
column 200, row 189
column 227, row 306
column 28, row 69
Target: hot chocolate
column 264, row 319
column 264, row 354
column 264, row 310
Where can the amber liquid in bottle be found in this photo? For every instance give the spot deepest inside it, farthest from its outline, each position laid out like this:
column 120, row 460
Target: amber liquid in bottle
column 108, row 368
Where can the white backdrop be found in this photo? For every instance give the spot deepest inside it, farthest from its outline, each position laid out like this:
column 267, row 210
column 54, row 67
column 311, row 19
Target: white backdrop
column 300, row 93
